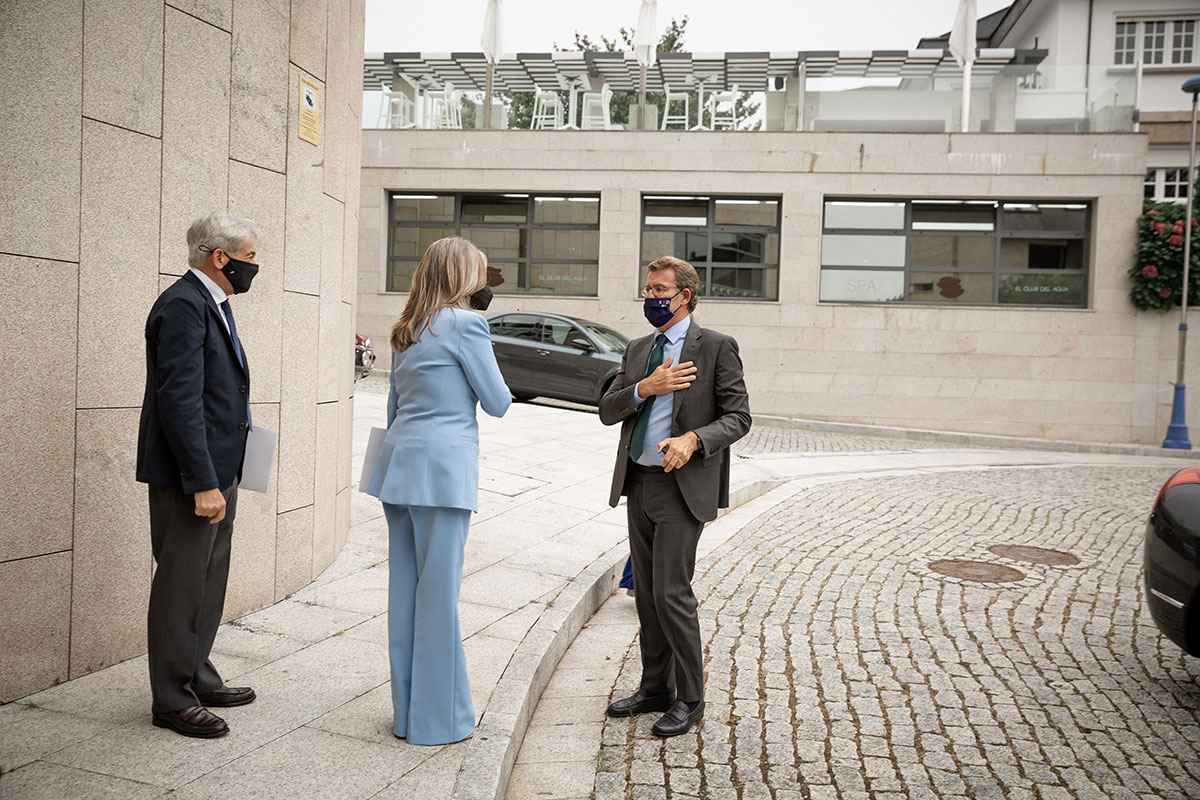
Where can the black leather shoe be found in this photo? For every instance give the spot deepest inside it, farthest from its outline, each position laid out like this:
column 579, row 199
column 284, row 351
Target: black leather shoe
column 678, row 720
column 639, row 703
column 228, row 696
column 195, row 721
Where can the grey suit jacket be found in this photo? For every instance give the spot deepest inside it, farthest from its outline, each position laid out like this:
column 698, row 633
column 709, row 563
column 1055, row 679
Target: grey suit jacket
column 716, row 407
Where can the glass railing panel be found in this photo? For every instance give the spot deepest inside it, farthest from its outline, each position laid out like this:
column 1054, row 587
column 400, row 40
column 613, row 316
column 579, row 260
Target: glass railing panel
column 1021, row 98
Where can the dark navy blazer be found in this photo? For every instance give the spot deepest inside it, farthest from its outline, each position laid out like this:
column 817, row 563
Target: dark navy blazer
column 193, row 428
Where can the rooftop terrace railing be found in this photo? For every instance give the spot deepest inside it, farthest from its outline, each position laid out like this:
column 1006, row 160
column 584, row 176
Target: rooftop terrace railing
column 1034, row 98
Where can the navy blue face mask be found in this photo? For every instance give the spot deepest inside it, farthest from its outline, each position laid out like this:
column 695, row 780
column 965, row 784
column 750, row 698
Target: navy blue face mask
column 658, row 309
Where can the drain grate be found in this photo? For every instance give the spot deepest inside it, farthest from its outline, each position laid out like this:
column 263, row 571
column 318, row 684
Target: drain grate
column 1034, row 555
column 980, row 571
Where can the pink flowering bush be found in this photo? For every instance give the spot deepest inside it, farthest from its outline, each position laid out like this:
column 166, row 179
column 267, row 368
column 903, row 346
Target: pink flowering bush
column 1157, row 273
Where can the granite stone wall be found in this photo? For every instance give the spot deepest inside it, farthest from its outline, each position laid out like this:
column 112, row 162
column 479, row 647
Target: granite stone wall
column 126, row 120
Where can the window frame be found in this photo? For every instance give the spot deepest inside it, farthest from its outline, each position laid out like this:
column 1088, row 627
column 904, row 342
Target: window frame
column 999, row 234
column 705, row 268
column 524, row 264
column 1148, row 40
column 1157, row 181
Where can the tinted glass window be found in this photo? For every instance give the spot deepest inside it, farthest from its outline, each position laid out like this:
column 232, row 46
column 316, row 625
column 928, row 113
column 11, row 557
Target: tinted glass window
column 713, row 232
column 758, row 213
column 953, row 217
column 866, row 251
column 494, row 209
column 973, row 252
column 608, row 337
column 518, row 326
column 1045, row 217
column 866, row 215
column 567, row 210
column 952, row 251
column 676, row 212
column 423, row 208
column 534, row 243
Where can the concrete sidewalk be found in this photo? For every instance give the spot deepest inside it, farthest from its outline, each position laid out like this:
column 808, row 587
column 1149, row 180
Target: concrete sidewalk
column 321, row 727
column 543, row 555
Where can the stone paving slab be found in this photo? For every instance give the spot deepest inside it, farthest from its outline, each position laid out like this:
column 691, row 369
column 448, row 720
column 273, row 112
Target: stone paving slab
column 543, row 553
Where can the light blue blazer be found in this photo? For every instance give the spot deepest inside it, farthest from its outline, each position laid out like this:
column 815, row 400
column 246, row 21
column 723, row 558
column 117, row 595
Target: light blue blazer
column 430, row 456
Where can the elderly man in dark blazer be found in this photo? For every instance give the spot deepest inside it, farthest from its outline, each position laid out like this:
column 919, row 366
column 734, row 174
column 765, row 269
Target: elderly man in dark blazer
column 191, row 443
column 682, row 401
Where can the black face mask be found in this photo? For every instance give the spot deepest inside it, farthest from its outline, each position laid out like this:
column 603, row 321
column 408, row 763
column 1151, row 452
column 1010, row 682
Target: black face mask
column 240, row 274
column 482, row 299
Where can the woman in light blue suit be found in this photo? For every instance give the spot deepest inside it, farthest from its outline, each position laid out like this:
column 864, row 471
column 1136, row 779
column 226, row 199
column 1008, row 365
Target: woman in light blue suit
column 428, row 479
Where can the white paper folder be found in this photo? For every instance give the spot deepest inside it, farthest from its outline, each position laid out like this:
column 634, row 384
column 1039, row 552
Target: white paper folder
column 260, row 459
column 373, row 445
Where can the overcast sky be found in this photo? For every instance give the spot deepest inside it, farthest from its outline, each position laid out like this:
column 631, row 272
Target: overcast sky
column 713, row 25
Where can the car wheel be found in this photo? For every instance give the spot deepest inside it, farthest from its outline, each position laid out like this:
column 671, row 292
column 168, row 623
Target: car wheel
column 521, row 397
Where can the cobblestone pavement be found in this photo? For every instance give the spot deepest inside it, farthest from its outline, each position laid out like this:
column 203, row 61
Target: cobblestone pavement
column 840, row 665
column 766, row 439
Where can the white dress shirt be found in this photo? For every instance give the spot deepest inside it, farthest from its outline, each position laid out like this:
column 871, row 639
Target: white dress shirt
column 218, row 294
column 659, row 425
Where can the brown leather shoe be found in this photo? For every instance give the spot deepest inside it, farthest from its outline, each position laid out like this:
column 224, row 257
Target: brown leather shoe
column 195, row 721
column 228, row 696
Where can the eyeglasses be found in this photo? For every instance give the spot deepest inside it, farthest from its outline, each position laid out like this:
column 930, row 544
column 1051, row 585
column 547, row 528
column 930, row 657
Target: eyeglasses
column 655, row 291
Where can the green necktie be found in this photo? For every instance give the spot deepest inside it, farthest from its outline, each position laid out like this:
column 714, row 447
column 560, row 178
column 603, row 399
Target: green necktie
column 637, row 444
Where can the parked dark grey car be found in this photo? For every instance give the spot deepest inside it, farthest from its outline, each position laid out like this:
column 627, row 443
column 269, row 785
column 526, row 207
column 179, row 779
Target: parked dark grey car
column 1172, row 560
column 549, row 355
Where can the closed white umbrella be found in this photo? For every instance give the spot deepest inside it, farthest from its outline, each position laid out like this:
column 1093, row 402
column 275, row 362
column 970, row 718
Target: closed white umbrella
column 962, row 47
column 645, row 49
column 491, row 42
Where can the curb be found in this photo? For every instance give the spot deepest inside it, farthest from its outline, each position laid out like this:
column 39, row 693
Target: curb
column 988, row 439
column 492, row 751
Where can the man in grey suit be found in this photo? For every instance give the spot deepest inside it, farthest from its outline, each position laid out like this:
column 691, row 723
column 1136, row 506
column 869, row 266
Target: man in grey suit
column 682, row 401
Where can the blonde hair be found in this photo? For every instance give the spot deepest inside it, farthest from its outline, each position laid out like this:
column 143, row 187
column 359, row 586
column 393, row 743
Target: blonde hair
column 451, row 270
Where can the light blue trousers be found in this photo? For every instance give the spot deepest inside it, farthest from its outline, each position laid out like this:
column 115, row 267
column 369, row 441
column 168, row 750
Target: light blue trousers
column 430, row 693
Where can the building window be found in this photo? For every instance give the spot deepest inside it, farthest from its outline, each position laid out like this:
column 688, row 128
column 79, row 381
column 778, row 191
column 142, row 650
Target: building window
column 1183, row 41
column 733, row 242
column 1156, row 42
column 1166, row 184
column 1124, row 51
column 541, row 244
column 1154, row 36
column 966, row 252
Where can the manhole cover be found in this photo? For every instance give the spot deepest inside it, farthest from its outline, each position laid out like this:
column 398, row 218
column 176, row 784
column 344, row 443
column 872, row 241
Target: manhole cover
column 976, row 571
column 1034, row 555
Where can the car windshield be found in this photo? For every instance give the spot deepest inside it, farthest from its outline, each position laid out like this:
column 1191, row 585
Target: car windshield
column 607, row 336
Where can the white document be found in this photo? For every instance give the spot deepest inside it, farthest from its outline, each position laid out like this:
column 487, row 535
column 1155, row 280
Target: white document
column 260, row 459
column 373, row 446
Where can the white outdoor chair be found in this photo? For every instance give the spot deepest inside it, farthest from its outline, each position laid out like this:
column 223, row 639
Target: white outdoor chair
column 722, row 109
column 675, row 97
column 396, row 110
column 597, row 108
column 444, row 108
column 547, row 111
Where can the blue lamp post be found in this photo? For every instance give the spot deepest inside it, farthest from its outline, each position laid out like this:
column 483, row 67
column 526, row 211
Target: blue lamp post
column 1177, row 432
